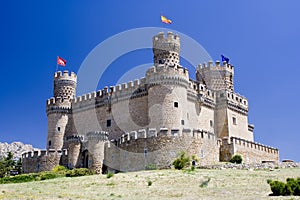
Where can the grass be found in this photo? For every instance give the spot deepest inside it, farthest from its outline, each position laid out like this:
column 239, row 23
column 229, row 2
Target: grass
column 165, row 184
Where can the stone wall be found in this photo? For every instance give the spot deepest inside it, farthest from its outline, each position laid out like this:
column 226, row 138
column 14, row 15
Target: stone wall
column 43, row 160
column 136, row 150
column 251, row 152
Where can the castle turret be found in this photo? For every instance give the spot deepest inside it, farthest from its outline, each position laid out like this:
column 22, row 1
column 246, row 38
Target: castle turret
column 167, row 84
column 59, row 108
column 166, row 50
column 96, row 142
column 74, row 147
column 218, row 77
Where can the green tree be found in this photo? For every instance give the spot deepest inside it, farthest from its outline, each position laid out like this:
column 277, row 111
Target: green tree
column 182, row 161
column 236, row 159
column 7, row 164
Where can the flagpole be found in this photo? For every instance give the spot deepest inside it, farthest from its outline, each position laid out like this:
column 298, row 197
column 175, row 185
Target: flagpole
column 56, row 63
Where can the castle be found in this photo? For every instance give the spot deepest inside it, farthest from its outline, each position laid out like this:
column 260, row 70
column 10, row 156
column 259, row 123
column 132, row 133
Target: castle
column 148, row 121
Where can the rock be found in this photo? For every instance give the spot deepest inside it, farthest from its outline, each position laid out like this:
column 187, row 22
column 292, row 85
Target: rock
column 17, row 148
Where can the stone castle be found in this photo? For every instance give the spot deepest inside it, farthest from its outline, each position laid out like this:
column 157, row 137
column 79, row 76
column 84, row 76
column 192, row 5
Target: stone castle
column 148, row 121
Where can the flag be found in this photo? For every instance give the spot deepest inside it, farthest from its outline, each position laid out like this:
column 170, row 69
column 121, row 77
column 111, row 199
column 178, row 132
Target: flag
column 61, row 61
column 225, row 59
column 165, row 20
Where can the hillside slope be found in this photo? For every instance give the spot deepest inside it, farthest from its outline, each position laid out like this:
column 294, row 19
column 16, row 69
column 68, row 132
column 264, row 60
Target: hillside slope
column 166, row 184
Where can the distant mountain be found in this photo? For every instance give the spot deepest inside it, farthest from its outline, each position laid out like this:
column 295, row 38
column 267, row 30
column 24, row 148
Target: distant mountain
column 17, row 148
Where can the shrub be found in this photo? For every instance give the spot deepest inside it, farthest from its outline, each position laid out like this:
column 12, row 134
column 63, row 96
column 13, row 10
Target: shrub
column 20, row 178
column 109, row 174
column 182, row 161
column 278, row 188
column 79, row 172
column 149, row 183
column 236, row 159
column 59, row 168
column 291, row 187
column 48, row 175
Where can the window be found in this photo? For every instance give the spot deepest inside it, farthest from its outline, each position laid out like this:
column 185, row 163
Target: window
column 182, row 122
column 234, row 120
column 108, row 123
column 176, row 104
column 211, row 123
column 49, row 143
column 58, row 129
column 201, row 153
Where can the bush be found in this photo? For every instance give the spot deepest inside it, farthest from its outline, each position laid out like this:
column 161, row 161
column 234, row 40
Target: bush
column 59, row 168
column 182, row 161
column 278, row 188
column 109, row 174
column 236, row 159
column 291, row 187
column 149, row 183
column 79, row 172
column 48, row 175
column 20, row 178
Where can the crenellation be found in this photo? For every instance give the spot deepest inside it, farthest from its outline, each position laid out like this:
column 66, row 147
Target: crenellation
column 142, row 133
column 133, row 135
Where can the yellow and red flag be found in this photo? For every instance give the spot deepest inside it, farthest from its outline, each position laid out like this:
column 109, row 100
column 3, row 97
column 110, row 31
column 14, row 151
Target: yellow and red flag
column 61, row 61
column 165, row 20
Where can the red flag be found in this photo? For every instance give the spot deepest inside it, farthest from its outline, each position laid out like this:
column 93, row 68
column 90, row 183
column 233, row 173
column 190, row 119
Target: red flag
column 61, row 61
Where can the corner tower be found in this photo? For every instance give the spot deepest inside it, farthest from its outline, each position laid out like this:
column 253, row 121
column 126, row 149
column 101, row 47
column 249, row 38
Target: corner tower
column 59, row 108
column 218, row 77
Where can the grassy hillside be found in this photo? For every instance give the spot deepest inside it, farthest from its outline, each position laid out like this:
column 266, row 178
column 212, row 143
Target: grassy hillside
column 164, row 184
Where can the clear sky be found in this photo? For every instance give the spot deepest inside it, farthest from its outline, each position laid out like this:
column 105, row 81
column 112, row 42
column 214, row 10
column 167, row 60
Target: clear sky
column 261, row 38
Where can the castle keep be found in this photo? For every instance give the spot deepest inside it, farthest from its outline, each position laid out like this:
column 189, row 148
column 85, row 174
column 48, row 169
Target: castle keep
column 148, row 121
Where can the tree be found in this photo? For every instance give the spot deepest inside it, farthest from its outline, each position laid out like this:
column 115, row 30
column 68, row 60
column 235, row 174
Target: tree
column 7, row 164
column 236, row 159
column 182, row 161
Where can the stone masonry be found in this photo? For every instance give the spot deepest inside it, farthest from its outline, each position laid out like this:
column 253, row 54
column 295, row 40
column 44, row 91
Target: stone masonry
column 149, row 121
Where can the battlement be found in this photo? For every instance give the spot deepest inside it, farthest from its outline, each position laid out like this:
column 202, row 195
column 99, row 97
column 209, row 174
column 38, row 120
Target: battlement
column 201, row 89
column 65, row 75
column 164, row 132
column 249, row 144
column 75, row 138
column 125, row 89
column 217, row 67
column 100, row 135
column 53, row 106
column 233, row 97
column 163, row 43
column 162, row 74
column 41, row 153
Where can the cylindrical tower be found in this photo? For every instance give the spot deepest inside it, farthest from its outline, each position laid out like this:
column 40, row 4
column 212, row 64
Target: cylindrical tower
column 96, row 144
column 166, row 50
column 167, row 84
column 74, row 147
column 59, row 108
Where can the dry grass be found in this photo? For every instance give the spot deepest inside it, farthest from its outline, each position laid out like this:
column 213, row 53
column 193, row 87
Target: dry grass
column 165, row 184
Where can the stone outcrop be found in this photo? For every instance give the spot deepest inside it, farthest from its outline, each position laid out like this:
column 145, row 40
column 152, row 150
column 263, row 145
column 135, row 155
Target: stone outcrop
column 17, row 148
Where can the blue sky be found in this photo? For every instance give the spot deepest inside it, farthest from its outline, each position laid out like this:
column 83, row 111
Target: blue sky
column 261, row 38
